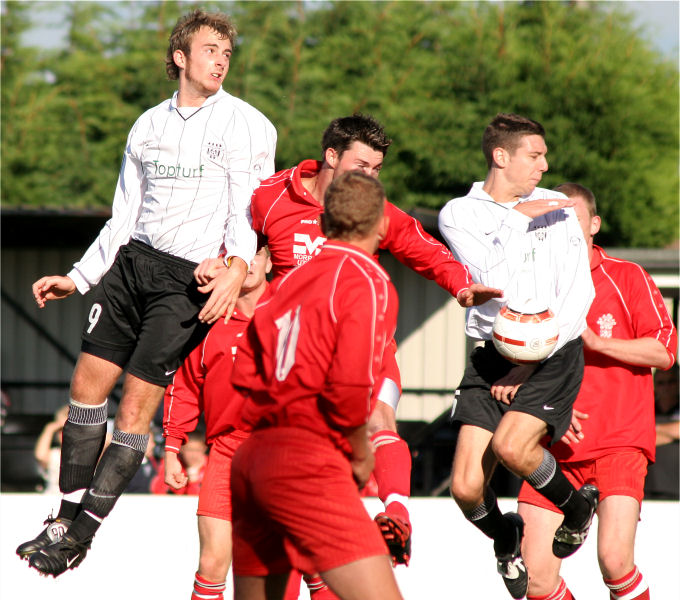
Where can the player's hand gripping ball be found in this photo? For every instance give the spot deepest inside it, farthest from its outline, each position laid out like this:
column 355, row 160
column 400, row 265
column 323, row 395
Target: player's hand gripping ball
column 525, row 336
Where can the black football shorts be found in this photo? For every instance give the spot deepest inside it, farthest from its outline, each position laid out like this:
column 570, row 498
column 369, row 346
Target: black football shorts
column 549, row 393
column 143, row 315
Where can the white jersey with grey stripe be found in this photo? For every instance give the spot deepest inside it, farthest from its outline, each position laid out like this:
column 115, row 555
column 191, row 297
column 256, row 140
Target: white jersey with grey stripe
column 544, row 259
column 185, row 184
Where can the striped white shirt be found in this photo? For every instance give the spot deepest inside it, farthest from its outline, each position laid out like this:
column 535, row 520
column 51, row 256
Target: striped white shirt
column 185, row 184
column 544, row 259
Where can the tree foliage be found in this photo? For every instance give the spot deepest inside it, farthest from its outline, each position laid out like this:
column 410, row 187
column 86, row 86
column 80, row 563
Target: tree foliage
column 434, row 73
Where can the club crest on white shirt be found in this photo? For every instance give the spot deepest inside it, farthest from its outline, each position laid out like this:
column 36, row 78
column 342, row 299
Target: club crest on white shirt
column 214, row 150
column 606, row 323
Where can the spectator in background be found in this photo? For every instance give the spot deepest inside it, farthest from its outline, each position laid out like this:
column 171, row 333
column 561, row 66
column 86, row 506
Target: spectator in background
column 193, row 457
column 663, row 477
column 47, row 450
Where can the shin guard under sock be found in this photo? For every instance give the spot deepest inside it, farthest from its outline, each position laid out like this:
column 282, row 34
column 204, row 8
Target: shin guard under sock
column 116, row 468
column 82, row 442
column 629, row 587
column 392, row 471
column 550, row 481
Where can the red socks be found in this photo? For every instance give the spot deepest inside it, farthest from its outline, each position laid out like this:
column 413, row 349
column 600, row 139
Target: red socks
column 207, row 590
column 630, row 587
column 561, row 592
column 318, row 590
column 392, row 472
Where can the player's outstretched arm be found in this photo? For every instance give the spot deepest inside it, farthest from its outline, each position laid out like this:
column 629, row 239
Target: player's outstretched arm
column 536, row 208
column 224, row 291
column 477, row 294
column 641, row 352
column 52, row 287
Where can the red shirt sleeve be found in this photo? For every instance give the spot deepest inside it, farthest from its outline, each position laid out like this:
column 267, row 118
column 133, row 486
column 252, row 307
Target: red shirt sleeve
column 362, row 334
column 411, row 245
column 649, row 314
column 182, row 400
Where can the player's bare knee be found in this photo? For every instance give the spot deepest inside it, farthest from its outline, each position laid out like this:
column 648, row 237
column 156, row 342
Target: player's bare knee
column 511, row 453
column 214, row 567
column 467, row 493
column 615, row 560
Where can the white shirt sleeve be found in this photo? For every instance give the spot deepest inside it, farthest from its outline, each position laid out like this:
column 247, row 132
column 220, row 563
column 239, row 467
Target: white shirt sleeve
column 574, row 290
column 483, row 239
column 127, row 202
column 250, row 160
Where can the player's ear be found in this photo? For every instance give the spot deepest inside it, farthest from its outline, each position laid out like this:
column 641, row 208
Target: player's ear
column 332, row 157
column 595, row 224
column 180, row 59
column 500, row 156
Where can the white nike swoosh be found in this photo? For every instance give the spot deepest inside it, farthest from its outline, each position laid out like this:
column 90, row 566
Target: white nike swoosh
column 70, row 561
column 100, row 495
column 169, row 372
column 546, row 407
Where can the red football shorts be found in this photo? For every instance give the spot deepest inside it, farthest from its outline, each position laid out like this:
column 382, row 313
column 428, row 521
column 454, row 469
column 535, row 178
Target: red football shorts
column 214, row 499
column 617, row 474
column 296, row 505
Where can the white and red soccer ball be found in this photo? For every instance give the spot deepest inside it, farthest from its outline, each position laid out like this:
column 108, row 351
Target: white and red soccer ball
column 525, row 336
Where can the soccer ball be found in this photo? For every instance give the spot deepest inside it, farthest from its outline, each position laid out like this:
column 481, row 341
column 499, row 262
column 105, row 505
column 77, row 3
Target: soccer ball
column 525, row 336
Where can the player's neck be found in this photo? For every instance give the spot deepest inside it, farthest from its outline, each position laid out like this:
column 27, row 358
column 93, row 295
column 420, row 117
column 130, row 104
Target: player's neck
column 318, row 184
column 496, row 186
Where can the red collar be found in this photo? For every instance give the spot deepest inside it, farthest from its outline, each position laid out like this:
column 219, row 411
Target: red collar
column 597, row 257
column 307, row 168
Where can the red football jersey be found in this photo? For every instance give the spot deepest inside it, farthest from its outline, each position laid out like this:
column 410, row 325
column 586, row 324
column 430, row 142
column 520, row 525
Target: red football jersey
column 313, row 351
column 287, row 216
column 203, row 385
column 619, row 397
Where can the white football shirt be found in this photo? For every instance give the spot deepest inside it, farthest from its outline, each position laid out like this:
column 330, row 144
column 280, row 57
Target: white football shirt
column 185, row 184
column 544, row 259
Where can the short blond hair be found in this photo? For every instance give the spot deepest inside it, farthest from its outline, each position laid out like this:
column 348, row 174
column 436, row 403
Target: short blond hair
column 185, row 29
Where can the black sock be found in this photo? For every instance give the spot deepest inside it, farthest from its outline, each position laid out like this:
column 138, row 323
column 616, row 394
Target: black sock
column 487, row 517
column 84, row 527
column 69, row 510
column 115, row 470
column 550, row 481
column 82, row 442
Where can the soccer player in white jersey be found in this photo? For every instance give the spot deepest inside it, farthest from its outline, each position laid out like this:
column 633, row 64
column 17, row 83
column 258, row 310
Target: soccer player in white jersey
column 527, row 241
column 189, row 169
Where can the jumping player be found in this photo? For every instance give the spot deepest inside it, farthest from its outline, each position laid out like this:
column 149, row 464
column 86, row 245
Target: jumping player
column 629, row 333
column 524, row 239
column 286, row 211
column 189, row 169
column 310, row 359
